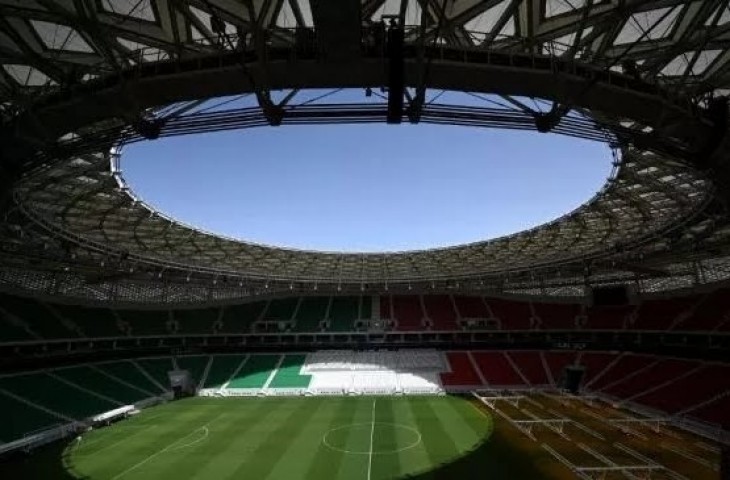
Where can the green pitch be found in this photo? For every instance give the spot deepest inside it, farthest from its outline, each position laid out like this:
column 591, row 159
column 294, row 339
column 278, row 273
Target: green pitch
column 344, row 438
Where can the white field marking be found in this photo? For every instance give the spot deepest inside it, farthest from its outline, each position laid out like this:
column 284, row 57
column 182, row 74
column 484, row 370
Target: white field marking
column 707, row 447
column 160, row 452
column 372, row 433
column 414, row 444
column 83, row 445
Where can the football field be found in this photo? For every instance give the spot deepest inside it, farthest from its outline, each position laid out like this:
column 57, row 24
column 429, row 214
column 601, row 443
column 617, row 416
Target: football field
column 287, row 438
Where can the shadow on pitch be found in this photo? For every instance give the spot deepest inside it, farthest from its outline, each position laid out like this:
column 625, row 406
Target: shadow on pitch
column 47, row 462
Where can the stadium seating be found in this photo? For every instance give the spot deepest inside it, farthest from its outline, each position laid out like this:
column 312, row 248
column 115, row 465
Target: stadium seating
column 531, row 365
column 288, row 374
column 93, row 380
column 658, row 372
column 557, row 316
column 281, row 309
column 471, row 307
column 12, row 330
column 440, row 310
column 128, row 372
column 195, row 365
column 626, row 364
column 312, row 311
column 661, row 314
column 708, row 314
column 240, row 318
column 512, row 315
column 20, row 418
column 594, row 364
column 201, row 321
column 92, row 322
column 222, row 369
column 40, row 319
column 146, row 322
column 157, row 368
column 255, row 372
column 556, row 362
column 407, row 311
column 343, row 313
column 608, row 318
column 462, row 371
column 497, row 370
column 716, row 411
column 57, row 395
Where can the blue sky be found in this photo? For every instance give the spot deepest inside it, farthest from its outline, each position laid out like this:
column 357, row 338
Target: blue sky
column 366, row 187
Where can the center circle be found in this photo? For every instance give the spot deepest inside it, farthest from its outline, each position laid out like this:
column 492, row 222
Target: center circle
column 364, row 438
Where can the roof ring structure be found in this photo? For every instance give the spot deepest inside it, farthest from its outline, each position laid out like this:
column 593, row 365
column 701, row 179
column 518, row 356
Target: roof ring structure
column 643, row 76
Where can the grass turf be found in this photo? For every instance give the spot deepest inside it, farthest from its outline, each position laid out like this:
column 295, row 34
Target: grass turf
column 290, row 438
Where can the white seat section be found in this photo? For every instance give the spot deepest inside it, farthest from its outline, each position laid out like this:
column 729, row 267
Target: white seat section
column 375, row 372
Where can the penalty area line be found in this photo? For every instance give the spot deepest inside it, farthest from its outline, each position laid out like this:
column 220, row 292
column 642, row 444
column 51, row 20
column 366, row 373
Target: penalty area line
column 168, row 448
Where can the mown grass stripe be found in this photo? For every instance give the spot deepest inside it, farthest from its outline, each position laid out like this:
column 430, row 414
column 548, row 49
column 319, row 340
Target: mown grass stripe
column 387, row 439
column 213, row 459
column 268, row 453
column 437, row 442
column 326, row 462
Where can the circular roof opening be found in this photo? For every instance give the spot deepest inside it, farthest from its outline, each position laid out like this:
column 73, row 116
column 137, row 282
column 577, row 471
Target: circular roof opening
column 373, row 188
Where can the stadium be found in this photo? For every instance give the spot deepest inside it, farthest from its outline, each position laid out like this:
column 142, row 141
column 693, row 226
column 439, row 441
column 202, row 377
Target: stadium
column 136, row 346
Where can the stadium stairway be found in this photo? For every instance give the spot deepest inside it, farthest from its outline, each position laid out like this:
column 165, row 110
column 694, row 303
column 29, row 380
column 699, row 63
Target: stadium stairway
column 95, row 381
column 222, row 369
column 344, row 311
column 130, row 373
column 288, row 374
column 22, row 417
column 254, row 373
column 156, row 369
column 311, row 313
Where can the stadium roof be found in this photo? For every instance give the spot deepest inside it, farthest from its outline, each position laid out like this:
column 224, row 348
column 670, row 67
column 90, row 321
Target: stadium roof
column 79, row 79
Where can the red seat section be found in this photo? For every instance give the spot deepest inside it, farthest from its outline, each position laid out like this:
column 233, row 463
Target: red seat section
column 496, row 369
column 440, row 309
column 462, row 371
column 715, row 412
column 595, row 364
column 608, row 318
column 688, row 390
column 709, row 312
column 661, row 314
column 471, row 307
column 512, row 315
column 408, row 312
column 557, row 315
column 531, row 366
column 627, row 364
column 557, row 361
column 660, row 372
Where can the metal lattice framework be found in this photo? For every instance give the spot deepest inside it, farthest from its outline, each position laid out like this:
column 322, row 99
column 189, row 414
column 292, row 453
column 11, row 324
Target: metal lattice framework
column 81, row 78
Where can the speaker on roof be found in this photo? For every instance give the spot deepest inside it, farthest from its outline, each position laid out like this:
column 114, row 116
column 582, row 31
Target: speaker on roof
column 611, row 295
column 396, row 80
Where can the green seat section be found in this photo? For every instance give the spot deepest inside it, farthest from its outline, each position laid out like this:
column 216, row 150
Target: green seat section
column 195, row 365
column 94, row 322
column 146, row 322
column 254, row 372
column 128, row 372
column 221, row 370
column 157, row 369
column 196, row 321
column 288, row 376
column 343, row 313
column 10, row 332
column 56, row 395
column 20, row 418
column 281, row 309
column 366, row 308
column 239, row 318
column 37, row 316
column 91, row 379
column 311, row 311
